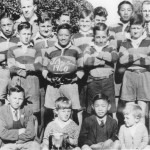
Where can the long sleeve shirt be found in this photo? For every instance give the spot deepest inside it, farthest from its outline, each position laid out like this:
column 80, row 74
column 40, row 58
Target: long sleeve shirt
column 100, row 60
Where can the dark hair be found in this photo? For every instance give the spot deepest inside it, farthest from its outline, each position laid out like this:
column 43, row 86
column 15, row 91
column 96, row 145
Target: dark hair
column 122, row 3
column 101, row 96
column 43, row 17
column 6, row 14
column 100, row 11
column 64, row 26
column 65, row 13
column 137, row 19
column 34, row 2
column 101, row 27
column 85, row 13
column 63, row 103
column 24, row 25
column 16, row 88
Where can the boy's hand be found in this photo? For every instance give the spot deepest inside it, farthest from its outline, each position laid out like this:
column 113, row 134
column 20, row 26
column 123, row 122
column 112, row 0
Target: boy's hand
column 86, row 147
column 107, row 143
column 98, row 145
column 74, row 80
column 22, row 130
column 22, row 66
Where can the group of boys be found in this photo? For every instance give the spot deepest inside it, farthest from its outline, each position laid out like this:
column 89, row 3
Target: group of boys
column 40, row 67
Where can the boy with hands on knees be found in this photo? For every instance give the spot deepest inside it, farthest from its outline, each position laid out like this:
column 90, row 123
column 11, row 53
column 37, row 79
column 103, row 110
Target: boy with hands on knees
column 99, row 131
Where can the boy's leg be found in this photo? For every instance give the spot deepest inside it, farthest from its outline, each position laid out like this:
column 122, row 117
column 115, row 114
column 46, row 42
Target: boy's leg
column 32, row 145
column 72, row 93
column 9, row 147
column 116, row 145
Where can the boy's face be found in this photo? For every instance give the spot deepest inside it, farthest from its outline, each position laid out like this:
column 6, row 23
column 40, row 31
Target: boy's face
column 136, row 31
column 64, row 37
column 126, row 12
column 101, row 108
column 64, row 114
column 130, row 120
column 146, row 12
column 85, row 24
column 16, row 99
column 64, row 19
column 100, row 38
column 25, row 36
column 99, row 19
column 7, row 26
column 27, row 8
column 45, row 28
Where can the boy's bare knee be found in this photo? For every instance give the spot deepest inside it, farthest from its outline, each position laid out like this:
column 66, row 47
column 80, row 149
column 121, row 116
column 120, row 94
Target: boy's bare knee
column 117, row 145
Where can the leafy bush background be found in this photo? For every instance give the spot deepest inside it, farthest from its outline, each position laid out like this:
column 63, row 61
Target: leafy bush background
column 54, row 7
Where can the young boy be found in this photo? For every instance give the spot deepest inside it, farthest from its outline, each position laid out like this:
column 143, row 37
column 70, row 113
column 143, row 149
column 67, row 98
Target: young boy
column 99, row 131
column 146, row 15
column 134, row 52
column 133, row 135
column 63, row 67
column 100, row 15
column 82, row 40
column 24, row 63
column 17, row 129
column 99, row 58
column 85, row 34
column 28, row 8
column 125, row 11
column 45, row 38
column 7, row 40
column 62, row 124
column 64, row 18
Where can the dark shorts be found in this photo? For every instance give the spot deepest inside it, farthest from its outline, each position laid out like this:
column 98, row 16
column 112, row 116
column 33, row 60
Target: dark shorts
column 105, row 86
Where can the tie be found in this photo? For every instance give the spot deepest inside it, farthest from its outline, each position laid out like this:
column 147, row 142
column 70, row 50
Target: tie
column 16, row 115
column 146, row 28
column 102, row 123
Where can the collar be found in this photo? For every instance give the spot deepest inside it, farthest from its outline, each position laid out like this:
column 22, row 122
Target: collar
column 63, row 48
column 13, row 110
column 32, row 20
column 128, row 36
column 62, row 124
column 20, row 44
column 39, row 36
column 98, row 48
column 101, row 119
column 2, row 35
column 86, row 33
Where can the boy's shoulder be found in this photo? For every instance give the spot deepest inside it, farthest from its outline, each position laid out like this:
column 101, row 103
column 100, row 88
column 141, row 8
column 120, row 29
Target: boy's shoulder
column 77, row 35
column 116, row 27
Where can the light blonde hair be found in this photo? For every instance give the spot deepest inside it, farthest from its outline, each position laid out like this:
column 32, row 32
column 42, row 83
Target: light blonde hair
column 63, row 103
column 133, row 109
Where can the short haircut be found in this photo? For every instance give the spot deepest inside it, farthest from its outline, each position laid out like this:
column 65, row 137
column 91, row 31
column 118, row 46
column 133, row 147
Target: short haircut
column 122, row 3
column 24, row 25
column 101, row 27
column 137, row 19
column 86, row 13
column 65, row 13
column 43, row 17
column 6, row 14
column 17, row 89
column 100, row 11
column 63, row 103
column 133, row 109
column 145, row 2
column 64, row 26
column 34, row 2
column 101, row 96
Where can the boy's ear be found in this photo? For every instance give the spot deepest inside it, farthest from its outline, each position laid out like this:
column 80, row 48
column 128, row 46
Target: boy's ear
column 8, row 98
column 137, row 119
column 92, row 106
column 35, row 8
column 55, row 111
column 57, row 21
column 109, row 106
